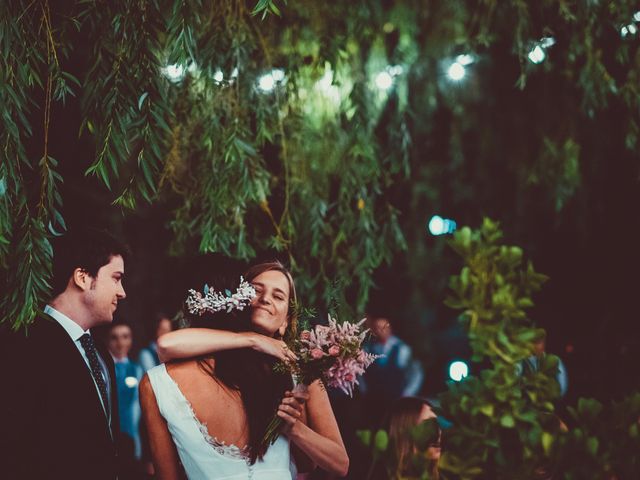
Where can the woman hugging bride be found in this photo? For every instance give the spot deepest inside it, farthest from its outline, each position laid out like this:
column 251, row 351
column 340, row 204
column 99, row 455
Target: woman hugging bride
column 207, row 414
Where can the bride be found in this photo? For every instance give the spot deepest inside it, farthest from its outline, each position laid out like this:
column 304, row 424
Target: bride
column 210, row 412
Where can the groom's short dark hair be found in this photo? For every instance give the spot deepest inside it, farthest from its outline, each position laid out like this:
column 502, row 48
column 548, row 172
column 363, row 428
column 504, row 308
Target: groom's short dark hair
column 88, row 249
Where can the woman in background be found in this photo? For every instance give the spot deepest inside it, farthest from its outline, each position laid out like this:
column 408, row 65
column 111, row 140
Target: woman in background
column 403, row 415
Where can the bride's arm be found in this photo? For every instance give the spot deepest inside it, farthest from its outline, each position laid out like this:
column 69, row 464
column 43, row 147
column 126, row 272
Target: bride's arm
column 192, row 342
column 163, row 451
column 320, row 439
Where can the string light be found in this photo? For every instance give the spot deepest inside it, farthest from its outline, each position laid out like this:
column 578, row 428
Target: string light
column 538, row 52
column 465, row 59
column 456, row 71
column 267, row 82
column 630, row 29
column 458, row 370
column 175, row 73
column 277, row 74
column 441, row 226
column 537, row 55
column 384, row 80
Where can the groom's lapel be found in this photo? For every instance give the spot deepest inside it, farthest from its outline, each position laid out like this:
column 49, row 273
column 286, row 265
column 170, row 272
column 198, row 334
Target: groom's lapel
column 75, row 366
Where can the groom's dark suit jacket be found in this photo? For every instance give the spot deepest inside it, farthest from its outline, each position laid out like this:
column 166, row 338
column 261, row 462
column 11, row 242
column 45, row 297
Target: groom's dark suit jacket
column 52, row 424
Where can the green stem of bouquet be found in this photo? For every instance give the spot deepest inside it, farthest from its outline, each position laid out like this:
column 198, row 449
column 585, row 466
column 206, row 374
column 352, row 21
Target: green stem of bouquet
column 273, row 429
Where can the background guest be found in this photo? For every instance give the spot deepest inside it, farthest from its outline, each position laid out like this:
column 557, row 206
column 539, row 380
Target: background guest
column 128, row 375
column 148, row 357
column 394, row 375
column 403, row 415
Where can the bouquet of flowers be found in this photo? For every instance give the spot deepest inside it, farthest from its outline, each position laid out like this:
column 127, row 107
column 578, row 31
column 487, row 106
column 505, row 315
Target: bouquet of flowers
column 330, row 353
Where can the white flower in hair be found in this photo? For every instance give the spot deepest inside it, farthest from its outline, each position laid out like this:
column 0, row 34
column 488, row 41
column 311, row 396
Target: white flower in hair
column 213, row 301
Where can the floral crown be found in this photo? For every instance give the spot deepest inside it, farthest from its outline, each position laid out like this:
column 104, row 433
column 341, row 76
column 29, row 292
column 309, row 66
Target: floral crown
column 213, row 301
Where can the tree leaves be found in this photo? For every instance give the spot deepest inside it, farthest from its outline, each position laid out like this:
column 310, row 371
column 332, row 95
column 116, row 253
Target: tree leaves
column 313, row 167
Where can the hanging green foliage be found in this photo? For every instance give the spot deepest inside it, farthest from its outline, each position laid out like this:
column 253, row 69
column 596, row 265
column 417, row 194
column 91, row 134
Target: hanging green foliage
column 296, row 126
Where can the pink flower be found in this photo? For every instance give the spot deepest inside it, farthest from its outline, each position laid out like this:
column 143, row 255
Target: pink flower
column 305, row 335
column 334, row 350
column 317, row 354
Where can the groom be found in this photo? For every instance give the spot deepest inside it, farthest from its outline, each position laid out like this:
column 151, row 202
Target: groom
column 58, row 415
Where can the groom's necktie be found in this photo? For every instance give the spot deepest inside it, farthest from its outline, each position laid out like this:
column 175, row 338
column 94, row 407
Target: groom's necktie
column 86, row 341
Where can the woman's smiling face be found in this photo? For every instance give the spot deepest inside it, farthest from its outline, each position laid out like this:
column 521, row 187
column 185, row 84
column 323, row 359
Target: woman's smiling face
column 270, row 306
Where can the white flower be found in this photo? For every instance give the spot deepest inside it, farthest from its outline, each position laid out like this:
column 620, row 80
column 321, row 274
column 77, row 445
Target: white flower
column 213, row 301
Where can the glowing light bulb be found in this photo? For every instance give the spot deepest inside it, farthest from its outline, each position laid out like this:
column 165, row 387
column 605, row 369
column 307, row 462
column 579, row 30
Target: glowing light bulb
column 277, row 74
column 546, row 42
column 458, row 370
column 218, row 76
column 174, row 73
column 537, row 55
column 384, row 80
column 456, row 71
column 464, row 60
column 441, row 226
column 436, row 225
column 266, row 83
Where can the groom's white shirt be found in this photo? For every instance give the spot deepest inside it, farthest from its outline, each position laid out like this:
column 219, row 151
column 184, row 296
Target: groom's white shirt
column 75, row 332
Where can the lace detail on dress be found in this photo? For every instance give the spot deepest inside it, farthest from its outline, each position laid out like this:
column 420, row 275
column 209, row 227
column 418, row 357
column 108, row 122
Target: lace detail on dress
column 231, row 450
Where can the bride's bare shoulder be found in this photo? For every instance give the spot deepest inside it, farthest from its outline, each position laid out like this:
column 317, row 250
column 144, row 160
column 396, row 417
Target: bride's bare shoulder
column 190, row 370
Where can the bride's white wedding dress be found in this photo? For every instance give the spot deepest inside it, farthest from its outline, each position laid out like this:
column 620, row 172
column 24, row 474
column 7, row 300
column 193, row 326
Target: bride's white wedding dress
column 204, row 457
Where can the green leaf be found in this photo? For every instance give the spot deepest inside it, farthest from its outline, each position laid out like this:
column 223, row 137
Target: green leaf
column 547, row 442
column 364, row 436
column 381, row 441
column 592, row 445
column 507, row 421
column 141, row 100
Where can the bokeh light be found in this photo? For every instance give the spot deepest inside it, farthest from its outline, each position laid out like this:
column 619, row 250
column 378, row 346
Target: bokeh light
column 441, row 226
column 458, row 370
column 456, row 71
column 384, row 80
column 175, row 73
column 131, row 382
column 537, row 55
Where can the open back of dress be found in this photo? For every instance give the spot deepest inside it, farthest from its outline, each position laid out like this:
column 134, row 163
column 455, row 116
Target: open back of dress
column 204, row 457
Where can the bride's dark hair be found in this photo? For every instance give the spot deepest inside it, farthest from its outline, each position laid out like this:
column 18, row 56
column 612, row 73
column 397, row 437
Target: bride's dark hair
column 245, row 370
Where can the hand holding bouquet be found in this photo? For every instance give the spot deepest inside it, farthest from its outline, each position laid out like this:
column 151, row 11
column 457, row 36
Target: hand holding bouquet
column 330, row 353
